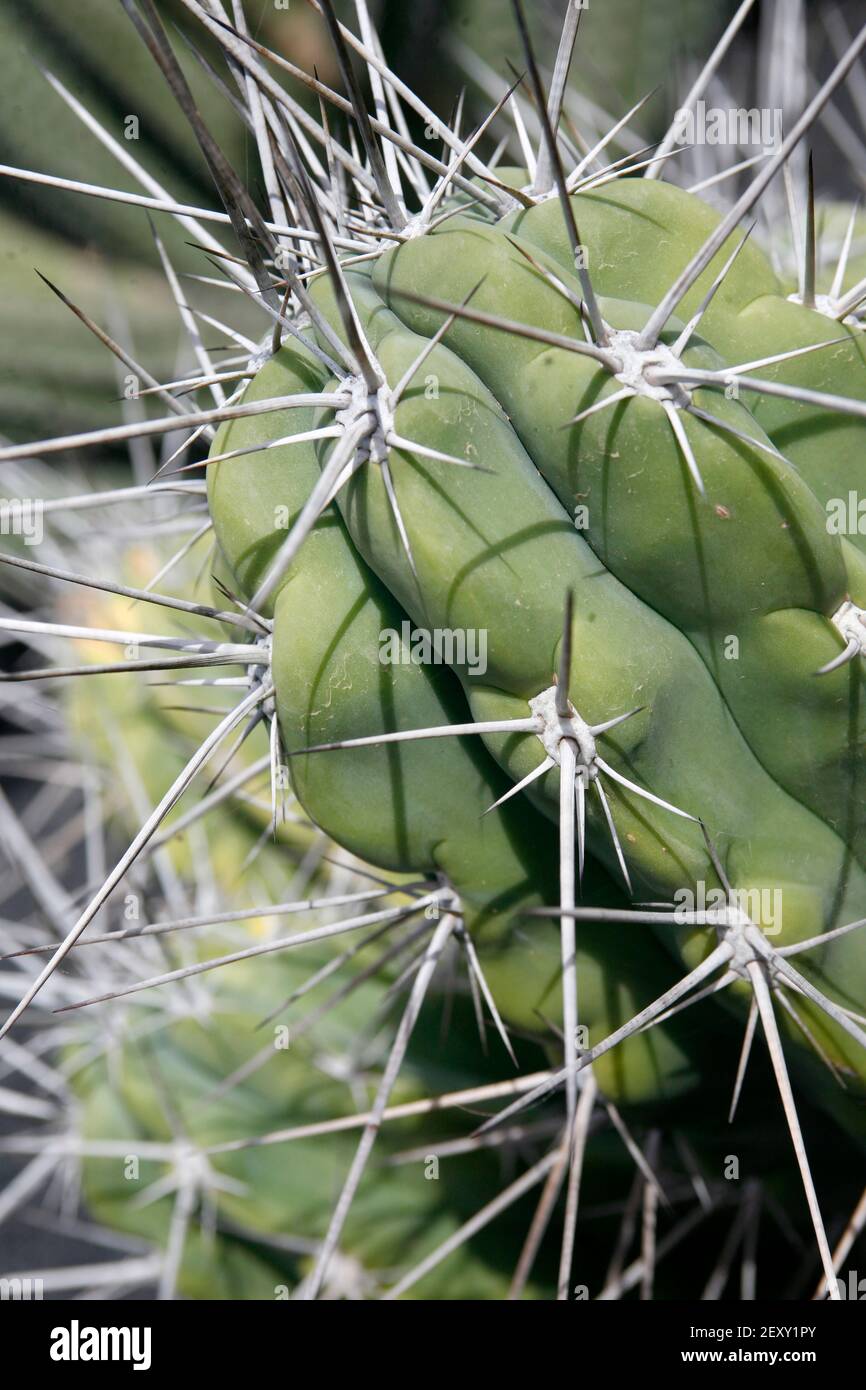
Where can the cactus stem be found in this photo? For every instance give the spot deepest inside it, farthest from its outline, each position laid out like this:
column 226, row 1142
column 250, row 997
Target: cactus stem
column 553, row 280
column 556, row 732
column 408, row 376
column 598, row 406
column 298, row 284
column 357, row 205
column 321, row 495
column 361, row 351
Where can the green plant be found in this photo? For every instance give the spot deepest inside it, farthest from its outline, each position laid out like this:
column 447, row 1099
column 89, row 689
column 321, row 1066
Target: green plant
column 569, row 428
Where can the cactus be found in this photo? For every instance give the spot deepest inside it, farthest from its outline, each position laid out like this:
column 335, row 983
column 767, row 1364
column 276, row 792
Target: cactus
column 526, row 551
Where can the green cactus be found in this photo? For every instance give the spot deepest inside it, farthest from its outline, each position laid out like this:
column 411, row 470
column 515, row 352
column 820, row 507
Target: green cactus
column 152, row 1110
column 532, row 552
